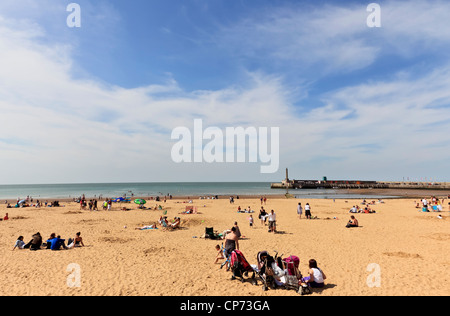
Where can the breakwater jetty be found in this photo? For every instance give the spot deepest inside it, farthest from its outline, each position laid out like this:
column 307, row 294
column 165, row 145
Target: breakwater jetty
column 357, row 184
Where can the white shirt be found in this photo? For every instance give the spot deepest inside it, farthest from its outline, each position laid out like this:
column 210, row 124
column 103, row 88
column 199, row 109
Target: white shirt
column 318, row 276
column 272, row 217
column 19, row 244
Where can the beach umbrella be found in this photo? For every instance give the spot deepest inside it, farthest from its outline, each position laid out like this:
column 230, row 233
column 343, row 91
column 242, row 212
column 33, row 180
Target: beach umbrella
column 140, row 201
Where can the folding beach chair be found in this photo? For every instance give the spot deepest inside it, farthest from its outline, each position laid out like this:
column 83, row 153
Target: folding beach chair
column 209, row 233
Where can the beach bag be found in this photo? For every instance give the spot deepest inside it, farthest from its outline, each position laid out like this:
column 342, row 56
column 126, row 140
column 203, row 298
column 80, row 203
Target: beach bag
column 305, row 289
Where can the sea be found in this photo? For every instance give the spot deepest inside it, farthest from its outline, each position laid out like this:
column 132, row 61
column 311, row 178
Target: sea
column 176, row 189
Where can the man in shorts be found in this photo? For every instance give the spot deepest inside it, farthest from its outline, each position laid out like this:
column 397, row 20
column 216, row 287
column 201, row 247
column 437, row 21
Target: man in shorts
column 272, row 221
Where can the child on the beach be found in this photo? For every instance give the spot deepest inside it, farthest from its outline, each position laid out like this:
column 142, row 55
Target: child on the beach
column 219, row 255
column 250, row 220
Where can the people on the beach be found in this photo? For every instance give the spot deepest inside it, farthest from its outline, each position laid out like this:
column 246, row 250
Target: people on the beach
column 146, row 227
column 238, row 231
column 299, row 210
column 231, row 242
column 220, row 254
column 56, row 243
column 176, row 223
column 316, row 278
column 76, row 242
column 35, row 243
column 272, row 221
column 250, row 221
column 20, row 244
column 353, row 222
column 308, row 211
column 262, row 216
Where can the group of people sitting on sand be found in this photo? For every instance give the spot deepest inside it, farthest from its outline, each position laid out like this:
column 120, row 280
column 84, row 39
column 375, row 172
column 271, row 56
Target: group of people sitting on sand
column 54, row 242
column 38, row 204
column 247, row 210
column 366, row 209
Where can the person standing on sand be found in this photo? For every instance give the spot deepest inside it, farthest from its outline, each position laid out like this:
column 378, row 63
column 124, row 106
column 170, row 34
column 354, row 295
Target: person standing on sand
column 300, row 210
column 262, row 215
column 272, row 222
column 250, row 220
column 238, row 231
column 308, row 211
column 231, row 242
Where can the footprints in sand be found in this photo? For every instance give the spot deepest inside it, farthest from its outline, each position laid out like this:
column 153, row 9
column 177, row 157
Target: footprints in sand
column 438, row 236
column 400, row 254
column 115, row 240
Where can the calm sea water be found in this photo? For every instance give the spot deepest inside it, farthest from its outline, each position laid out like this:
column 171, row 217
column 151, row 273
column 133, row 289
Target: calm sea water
column 59, row 191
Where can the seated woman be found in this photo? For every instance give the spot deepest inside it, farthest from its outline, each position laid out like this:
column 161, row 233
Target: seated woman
column 316, row 278
column 77, row 242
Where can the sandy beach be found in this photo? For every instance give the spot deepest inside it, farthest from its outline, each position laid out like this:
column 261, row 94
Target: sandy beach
column 410, row 248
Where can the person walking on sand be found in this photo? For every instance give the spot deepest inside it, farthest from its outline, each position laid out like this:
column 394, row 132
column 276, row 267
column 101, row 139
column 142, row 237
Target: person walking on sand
column 272, row 222
column 250, row 220
column 299, row 210
column 262, row 216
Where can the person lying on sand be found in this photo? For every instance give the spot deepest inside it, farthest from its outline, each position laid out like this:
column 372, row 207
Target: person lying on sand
column 153, row 226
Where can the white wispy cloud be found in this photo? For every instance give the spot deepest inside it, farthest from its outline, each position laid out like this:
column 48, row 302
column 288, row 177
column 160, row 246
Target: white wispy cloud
column 56, row 127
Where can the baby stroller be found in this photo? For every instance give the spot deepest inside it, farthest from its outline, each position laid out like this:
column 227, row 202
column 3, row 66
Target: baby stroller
column 266, row 265
column 240, row 267
column 293, row 277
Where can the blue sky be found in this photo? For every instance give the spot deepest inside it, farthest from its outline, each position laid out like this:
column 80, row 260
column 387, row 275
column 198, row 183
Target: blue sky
column 98, row 103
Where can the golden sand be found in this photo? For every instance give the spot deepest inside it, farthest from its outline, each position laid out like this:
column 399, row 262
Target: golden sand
column 410, row 248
